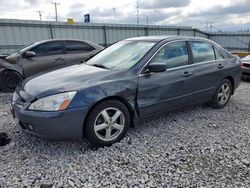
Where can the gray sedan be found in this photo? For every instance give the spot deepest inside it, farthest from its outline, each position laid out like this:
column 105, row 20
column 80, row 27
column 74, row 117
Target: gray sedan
column 43, row 56
column 130, row 81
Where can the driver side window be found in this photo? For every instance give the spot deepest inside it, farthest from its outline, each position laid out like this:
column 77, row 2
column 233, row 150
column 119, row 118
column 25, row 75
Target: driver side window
column 174, row 55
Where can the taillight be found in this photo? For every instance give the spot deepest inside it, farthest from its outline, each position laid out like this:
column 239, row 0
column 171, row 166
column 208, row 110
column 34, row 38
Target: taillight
column 241, row 65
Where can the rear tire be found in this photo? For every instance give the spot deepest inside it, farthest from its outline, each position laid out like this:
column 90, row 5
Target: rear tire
column 9, row 81
column 107, row 123
column 222, row 94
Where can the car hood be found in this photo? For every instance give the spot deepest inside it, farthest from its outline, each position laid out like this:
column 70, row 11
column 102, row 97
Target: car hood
column 66, row 79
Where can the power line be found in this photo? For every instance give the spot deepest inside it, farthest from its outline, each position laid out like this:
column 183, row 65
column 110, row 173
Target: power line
column 55, row 3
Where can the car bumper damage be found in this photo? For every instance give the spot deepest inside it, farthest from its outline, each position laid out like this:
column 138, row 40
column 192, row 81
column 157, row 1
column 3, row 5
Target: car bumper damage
column 67, row 124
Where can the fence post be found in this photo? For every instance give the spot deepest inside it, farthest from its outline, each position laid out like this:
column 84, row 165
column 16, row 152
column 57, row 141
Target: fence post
column 178, row 31
column 105, row 35
column 146, row 30
column 51, row 31
column 249, row 46
column 194, row 32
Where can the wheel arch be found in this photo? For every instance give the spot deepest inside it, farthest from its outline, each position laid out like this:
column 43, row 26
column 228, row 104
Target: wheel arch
column 132, row 111
column 230, row 78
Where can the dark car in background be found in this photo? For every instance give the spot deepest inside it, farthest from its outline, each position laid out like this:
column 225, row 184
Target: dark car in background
column 128, row 82
column 43, row 56
column 246, row 67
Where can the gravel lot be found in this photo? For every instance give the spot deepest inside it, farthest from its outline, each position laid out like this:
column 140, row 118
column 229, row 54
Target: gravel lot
column 194, row 147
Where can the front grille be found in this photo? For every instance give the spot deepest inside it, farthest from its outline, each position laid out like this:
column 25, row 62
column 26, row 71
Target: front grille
column 246, row 65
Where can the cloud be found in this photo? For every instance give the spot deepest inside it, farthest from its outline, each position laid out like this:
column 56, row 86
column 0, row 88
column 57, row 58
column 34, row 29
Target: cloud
column 33, row 2
column 76, row 11
column 161, row 4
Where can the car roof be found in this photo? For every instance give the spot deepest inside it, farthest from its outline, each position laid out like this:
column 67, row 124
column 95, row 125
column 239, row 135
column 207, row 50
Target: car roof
column 66, row 39
column 165, row 37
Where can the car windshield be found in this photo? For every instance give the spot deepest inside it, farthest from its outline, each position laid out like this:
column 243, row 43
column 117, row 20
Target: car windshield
column 121, row 55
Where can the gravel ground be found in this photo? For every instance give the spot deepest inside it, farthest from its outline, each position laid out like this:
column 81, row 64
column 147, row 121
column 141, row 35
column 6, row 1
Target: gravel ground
column 194, row 147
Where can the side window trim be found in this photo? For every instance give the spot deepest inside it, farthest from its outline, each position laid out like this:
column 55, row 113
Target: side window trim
column 169, row 44
column 61, row 43
column 155, row 53
column 193, row 62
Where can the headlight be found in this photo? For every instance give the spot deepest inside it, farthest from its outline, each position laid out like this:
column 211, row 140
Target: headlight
column 56, row 102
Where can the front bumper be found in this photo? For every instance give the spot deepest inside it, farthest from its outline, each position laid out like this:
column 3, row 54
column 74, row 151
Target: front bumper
column 61, row 125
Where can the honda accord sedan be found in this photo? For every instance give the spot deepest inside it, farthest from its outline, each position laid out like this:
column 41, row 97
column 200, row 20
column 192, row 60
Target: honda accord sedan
column 130, row 81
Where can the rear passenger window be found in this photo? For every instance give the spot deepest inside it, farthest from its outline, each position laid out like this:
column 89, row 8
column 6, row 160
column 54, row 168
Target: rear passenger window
column 218, row 55
column 202, row 51
column 174, row 55
column 77, row 47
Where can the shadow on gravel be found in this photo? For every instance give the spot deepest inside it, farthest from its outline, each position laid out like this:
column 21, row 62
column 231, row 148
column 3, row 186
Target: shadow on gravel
column 4, row 139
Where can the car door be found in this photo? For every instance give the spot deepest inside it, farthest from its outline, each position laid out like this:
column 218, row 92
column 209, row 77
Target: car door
column 49, row 55
column 77, row 51
column 208, row 70
column 160, row 92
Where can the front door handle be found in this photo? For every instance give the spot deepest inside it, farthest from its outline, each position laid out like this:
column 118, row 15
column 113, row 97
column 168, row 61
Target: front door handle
column 220, row 66
column 186, row 74
column 59, row 59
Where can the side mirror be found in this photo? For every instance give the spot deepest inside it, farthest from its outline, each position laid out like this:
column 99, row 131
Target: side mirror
column 157, row 67
column 29, row 54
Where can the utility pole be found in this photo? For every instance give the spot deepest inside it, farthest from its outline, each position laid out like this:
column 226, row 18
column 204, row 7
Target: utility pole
column 55, row 3
column 40, row 14
column 114, row 14
column 137, row 11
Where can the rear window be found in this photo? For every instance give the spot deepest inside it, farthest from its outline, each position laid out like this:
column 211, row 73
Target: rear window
column 217, row 54
column 202, row 51
column 77, row 47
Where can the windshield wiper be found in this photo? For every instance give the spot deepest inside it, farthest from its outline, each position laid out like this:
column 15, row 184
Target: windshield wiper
column 100, row 66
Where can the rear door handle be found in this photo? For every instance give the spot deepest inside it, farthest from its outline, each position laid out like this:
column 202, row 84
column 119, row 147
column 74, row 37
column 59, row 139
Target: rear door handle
column 220, row 66
column 186, row 74
column 59, row 59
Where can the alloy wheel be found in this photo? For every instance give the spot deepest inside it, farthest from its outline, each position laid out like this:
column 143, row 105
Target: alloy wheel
column 109, row 124
column 224, row 93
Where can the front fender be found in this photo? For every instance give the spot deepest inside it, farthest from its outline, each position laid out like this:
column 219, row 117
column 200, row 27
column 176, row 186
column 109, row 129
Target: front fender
column 13, row 67
column 125, row 89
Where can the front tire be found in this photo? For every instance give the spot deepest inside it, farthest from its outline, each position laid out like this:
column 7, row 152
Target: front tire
column 222, row 95
column 9, row 81
column 107, row 123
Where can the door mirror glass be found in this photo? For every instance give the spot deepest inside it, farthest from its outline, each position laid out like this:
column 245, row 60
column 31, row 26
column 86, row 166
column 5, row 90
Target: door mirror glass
column 157, row 67
column 30, row 54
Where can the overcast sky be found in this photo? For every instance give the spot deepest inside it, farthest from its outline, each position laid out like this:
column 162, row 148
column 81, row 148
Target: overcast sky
column 223, row 14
